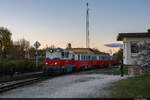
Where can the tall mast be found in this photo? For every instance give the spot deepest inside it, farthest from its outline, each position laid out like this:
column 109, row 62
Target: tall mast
column 87, row 27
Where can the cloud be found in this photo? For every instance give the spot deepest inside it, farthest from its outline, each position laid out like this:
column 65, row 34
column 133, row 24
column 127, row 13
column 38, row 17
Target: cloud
column 114, row 45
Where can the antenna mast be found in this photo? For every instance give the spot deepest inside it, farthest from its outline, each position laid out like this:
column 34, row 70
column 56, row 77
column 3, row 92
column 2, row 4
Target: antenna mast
column 87, row 27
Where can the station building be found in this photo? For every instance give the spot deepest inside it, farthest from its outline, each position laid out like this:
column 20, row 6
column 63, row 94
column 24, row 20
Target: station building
column 130, row 47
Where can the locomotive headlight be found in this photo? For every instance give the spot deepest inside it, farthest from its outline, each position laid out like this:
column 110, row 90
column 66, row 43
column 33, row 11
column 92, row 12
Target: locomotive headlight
column 55, row 63
column 46, row 63
column 51, row 50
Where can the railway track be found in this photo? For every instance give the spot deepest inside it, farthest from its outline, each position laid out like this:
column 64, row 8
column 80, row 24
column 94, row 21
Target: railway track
column 14, row 84
column 18, row 83
column 6, row 86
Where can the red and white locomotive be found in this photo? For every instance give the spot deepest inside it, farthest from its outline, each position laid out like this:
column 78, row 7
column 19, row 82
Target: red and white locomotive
column 65, row 60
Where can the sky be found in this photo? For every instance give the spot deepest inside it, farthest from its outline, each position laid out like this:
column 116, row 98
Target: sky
column 58, row 22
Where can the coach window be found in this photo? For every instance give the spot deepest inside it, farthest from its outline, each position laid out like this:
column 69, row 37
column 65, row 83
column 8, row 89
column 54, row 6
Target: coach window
column 106, row 58
column 82, row 57
column 67, row 54
column 78, row 57
column 89, row 57
column 62, row 54
column 73, row 57
column 103, row 58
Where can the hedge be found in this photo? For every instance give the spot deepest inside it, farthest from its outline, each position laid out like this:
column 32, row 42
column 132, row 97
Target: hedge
column 21, row 66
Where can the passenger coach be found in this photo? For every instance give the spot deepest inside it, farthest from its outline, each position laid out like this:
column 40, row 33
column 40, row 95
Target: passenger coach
column 67, row 60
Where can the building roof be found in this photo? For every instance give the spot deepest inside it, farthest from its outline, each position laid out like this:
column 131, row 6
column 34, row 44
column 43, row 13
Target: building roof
column 85, row 50
column 143, row 34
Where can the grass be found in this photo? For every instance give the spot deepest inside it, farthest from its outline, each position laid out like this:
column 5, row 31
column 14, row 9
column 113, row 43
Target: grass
column 132, row 87
column 108, row 71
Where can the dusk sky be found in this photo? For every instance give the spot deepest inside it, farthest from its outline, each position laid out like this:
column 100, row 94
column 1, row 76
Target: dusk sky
column 57, row 22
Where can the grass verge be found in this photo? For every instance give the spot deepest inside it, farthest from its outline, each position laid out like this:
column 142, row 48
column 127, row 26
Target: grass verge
column 132, row 87
column 108, row 71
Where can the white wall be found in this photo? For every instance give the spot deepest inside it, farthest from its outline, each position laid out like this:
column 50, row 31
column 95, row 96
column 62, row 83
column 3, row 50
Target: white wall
column 128, row 57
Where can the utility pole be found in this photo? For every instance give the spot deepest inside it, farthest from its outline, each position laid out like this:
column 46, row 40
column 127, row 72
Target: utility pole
column 87, row 27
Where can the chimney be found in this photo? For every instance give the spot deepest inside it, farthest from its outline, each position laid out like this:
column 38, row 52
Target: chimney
column 69, row 45
column 148, row 30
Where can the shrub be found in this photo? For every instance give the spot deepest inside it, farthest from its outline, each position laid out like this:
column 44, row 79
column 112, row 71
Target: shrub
column 22, row 66
column 25, row 66
column 5, row 67
column 41, row 64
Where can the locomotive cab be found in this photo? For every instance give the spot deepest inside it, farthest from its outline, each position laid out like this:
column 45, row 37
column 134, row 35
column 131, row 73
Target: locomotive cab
column 53, row 53
column 58, row 60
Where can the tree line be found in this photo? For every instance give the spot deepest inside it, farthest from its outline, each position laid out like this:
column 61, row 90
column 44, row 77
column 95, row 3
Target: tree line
column 16, row 50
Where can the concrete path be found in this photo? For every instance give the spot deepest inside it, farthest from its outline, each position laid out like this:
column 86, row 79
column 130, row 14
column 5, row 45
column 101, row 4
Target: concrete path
column 68, row 86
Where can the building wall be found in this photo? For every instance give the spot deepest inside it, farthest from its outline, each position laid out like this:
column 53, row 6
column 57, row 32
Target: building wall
column 128, row 57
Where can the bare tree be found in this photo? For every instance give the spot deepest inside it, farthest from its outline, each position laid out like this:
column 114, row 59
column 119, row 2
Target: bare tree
column 23, row 47
column 144, row 56
column 5, row 41
column 119, row 54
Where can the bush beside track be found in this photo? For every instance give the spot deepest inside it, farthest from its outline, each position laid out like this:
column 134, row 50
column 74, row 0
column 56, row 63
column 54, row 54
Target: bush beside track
column 20, row 66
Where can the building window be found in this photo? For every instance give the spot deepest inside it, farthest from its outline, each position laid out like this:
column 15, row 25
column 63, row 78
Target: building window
column 134, row 47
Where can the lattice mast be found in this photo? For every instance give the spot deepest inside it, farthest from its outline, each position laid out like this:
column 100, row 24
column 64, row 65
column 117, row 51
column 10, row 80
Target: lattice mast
column 87, row 27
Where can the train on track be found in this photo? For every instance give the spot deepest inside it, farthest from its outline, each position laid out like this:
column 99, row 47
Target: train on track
column 72, row 59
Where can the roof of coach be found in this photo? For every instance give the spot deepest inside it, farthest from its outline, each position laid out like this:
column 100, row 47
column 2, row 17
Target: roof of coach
column 81, row 50
column 85, row 50
column 57, row 49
